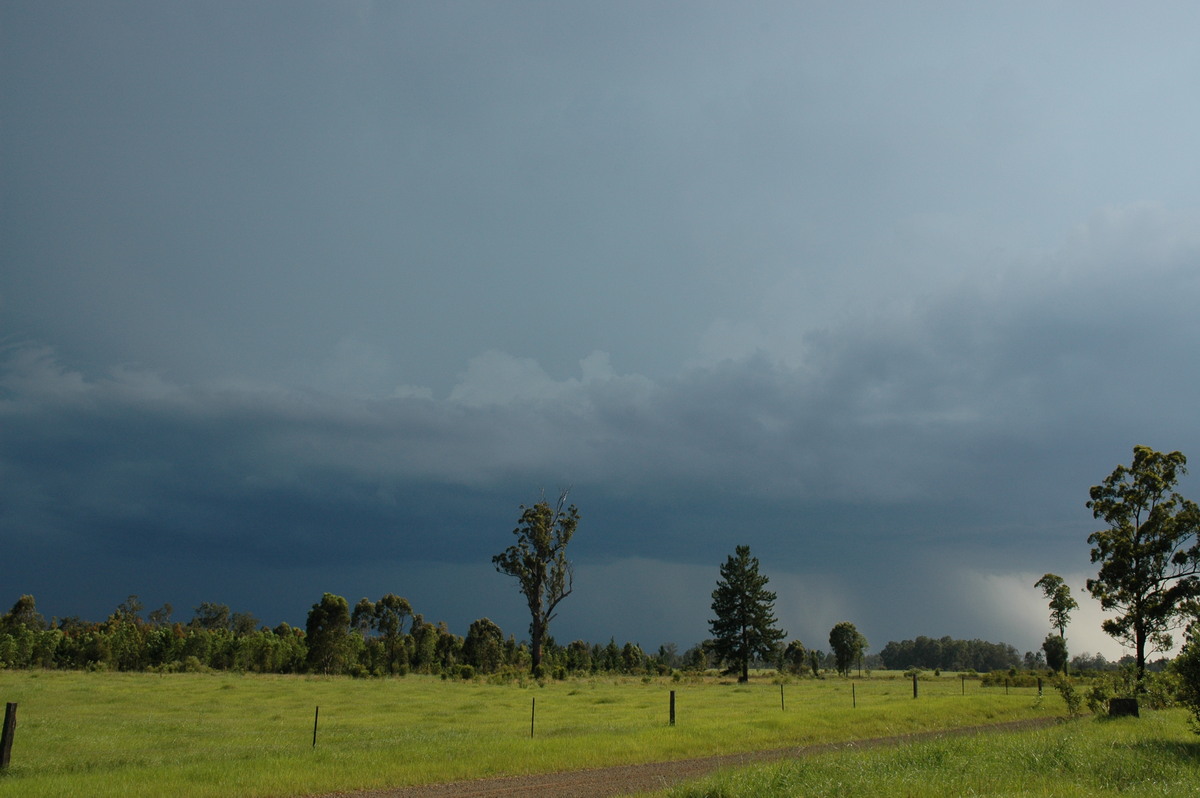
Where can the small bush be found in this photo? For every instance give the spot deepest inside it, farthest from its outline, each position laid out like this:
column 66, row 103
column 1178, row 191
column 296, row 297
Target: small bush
column 1162, row 690
column 192, row 664
column 1097, row 696
column 1070, row 695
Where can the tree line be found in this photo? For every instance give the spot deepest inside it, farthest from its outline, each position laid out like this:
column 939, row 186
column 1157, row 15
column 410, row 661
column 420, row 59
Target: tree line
column 1149, row 576
column 948, row 654
column 385, row 637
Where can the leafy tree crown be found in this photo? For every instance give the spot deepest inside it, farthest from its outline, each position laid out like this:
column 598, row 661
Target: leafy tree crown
column 1149, row 555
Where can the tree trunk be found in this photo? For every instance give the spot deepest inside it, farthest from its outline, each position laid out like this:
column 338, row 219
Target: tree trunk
column 1140, row 642
column 535, row 646
column 745, row 677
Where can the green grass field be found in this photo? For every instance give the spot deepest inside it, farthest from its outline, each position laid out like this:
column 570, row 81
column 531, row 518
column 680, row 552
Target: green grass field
column 1155, row 755
column 127, row 734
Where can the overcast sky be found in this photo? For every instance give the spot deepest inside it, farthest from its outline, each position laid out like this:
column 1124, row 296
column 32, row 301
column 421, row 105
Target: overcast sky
column 301, row 297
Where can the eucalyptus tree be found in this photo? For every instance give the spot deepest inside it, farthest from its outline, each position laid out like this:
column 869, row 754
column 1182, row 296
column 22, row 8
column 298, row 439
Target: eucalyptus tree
column 1149, row 554
column 538, row 560
column 745, row 626
column 483, row 647
column 210, row 615
column 1061, row 601
column 362, row 617
column 390, row 613
column 23, row 613
column 328, row 634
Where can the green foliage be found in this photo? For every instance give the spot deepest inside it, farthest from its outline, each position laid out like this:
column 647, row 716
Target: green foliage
column 1149, row 554
column 27, row 647
column 127, row 642
column 744, row 628
column 210, row 615
column 448, row 648
column 422, row 645
column 1061, row 601
column 390, row 613
column 483, row 647
column 328, row 634
column 578, row 657
column 126, row 637
column 633, row 659
column 1070, row 696
column 795, row 658
column 948, row 654
column 362, row 618
column 847, row 644
column 538, row 560
column 1011, row 678
column 1187, row 668
column 129, row 610
column 1055, row 648
column 23, row 614
column 1153, row 691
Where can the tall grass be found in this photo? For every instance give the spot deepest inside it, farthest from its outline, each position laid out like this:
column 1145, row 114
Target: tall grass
column 102, row 734
column 1090, row 758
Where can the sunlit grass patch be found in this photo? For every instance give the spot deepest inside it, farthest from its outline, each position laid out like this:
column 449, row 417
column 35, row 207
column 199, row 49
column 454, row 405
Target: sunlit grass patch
column 1154, row 755
column 110, row 734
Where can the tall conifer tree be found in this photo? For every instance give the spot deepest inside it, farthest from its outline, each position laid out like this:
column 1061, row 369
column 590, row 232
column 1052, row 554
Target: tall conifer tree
column 744, row 628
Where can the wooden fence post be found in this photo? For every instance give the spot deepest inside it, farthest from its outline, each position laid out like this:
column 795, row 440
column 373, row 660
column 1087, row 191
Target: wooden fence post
column 781, row 706
column 532, row 716
column 316, row 717
column 853, row 697
column 6, row 737
column 672, row 707
column 914, row 685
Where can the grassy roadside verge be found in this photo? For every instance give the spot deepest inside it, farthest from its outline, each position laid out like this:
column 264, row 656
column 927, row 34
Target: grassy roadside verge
column 220, row 734
column 1156, row 754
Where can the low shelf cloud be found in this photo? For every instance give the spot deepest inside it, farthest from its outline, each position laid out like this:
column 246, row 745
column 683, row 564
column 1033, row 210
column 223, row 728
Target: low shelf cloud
column 314, row 307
